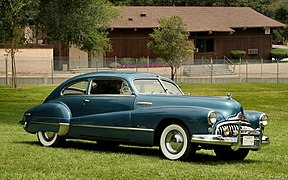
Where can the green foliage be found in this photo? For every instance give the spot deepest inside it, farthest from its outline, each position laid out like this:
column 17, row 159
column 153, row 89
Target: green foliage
column 170, row 42
column 23, row 158
column 259, row 5
column 279, row 54
column 79, row 22
column 129, row 61
column 83, row 22
column 15, row 16
column 237, row 54
column 279, row 11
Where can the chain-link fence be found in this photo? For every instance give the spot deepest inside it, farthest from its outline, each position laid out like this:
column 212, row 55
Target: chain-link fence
column 40, row 70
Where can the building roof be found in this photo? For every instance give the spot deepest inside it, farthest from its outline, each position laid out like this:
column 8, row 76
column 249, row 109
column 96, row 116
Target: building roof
column 197, row 19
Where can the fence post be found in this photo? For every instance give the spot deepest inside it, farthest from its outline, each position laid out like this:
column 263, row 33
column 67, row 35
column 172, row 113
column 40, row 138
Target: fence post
column 211, row 62
column 115, row 63
column 261, row 69
column 136, row 64
column 97, row 64
column 246, row 70
column 148, row 63
column 277, row 71
column 240, row 64
column 181, row 70
column 6, row 68
column 52, row 71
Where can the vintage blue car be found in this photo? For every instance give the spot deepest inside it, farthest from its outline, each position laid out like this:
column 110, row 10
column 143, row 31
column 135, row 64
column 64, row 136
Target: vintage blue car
column 145, row 109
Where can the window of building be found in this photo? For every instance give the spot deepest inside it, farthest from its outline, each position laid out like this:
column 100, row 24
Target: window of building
column 204, row 45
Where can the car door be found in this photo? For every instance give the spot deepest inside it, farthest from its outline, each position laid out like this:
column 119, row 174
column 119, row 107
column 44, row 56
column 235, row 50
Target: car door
column 73, row 96
column 107, row 111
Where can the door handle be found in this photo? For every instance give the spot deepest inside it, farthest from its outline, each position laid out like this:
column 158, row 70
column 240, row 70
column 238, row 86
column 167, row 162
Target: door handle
column 85, row 101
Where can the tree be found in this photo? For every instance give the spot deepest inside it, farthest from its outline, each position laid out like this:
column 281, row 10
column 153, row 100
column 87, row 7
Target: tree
column 80, row 22
column 279, row 54
column 279, row 10
column 15, row 16
column 171, row 42
column 83, row 23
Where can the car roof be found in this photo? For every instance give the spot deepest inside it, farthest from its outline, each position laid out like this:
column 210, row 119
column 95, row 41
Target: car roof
column 119, row 74
column 128, row 76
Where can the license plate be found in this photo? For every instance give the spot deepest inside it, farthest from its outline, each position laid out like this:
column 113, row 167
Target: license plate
column 248, row 141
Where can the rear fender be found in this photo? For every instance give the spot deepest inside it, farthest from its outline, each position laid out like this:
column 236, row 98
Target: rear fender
column 54, row 117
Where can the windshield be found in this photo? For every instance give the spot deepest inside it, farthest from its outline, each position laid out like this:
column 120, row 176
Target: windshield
column 153, row 86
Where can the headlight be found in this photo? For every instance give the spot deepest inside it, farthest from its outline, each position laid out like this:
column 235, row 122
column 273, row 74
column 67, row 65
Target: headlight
column 212, row 117
column 263, row 120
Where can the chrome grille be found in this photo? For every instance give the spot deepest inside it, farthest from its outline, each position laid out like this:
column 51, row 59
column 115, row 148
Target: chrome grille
column 233, row 129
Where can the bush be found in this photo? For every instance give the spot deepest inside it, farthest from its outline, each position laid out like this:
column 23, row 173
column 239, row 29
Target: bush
column 237, row 54
column 279, row 54
column 127, row 61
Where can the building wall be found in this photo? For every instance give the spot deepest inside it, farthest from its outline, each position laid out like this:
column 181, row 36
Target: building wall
column 29, row 61
column 77, row 58
column 249, row 39
column 133, row 43
column 130, row 43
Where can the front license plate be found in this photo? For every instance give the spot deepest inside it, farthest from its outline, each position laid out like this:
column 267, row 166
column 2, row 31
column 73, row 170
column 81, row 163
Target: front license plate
column 248, row 141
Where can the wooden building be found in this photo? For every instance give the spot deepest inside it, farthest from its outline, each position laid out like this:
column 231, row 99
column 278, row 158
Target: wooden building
column 215, row 31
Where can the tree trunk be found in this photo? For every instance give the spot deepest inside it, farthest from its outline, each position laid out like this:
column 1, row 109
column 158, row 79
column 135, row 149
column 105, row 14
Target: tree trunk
column 172, row 73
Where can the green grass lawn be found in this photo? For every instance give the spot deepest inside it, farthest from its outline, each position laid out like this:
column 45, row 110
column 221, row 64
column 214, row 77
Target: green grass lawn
column 21, row 157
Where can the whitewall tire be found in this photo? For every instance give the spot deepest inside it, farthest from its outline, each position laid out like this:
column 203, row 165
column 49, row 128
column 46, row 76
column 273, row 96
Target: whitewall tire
column 49, row 138
column 175, row 142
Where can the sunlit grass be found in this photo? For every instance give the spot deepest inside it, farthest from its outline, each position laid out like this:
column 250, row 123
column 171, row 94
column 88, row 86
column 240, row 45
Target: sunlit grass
column 23, row 158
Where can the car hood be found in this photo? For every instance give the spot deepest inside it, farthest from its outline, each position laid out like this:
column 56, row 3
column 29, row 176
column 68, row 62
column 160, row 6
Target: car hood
column 224, row 106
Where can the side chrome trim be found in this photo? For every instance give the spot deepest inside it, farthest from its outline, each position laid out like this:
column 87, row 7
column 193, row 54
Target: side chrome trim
column 145, row 103
column 54, row 124
column 116, row 128
column 63, row 129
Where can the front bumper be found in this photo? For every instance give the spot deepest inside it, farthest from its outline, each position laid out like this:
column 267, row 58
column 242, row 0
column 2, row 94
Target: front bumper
column 248, row 139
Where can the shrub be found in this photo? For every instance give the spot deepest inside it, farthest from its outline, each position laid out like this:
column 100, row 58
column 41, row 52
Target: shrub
column 127, row 61
column 279, row 54
column 237, row 54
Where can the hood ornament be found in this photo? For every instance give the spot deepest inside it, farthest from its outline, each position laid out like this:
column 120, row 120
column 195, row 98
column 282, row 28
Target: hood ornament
column 229, row 95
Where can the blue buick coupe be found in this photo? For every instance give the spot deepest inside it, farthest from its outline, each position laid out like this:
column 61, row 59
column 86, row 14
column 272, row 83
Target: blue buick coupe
column 145, row 109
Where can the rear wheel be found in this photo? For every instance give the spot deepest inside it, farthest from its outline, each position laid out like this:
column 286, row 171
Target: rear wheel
column 175, row 142
column 229, row 154
column 50, row 138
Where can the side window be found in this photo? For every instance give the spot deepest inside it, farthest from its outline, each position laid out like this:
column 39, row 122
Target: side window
column 171, row 88
column 78, row 88
column 110, row 86
column 125, row 89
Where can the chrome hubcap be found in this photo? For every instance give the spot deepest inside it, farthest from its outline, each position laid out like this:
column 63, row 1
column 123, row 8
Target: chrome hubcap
column 174, row 142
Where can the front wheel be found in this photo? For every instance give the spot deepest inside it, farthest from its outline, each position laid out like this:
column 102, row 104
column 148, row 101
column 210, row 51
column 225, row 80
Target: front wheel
column 49, row 138
column 175, row 142
column 229, row 154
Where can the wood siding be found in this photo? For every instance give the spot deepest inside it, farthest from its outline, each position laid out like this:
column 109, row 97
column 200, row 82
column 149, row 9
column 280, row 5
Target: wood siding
column 133, row 43
column 130, row 43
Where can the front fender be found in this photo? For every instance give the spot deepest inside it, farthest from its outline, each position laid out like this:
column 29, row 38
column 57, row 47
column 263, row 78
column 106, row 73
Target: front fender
column 195, row 118
column 51, row 116
column 253, row 117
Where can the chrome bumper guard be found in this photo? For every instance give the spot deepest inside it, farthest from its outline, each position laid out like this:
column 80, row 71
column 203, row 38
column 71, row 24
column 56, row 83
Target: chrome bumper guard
column 249, row 139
